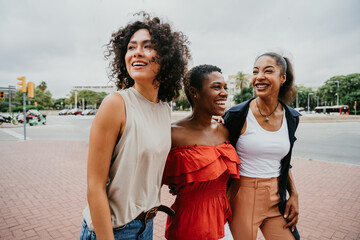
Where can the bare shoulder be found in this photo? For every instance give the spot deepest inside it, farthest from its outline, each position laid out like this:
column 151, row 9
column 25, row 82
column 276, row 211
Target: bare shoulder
column 111, row 110
column 179, row 132
column 221, row 129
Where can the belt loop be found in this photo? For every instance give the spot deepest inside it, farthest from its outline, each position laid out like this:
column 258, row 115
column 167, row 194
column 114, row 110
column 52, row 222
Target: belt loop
column 256, row 183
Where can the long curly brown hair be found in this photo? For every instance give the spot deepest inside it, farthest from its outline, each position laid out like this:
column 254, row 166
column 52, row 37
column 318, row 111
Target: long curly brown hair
column 172, row 49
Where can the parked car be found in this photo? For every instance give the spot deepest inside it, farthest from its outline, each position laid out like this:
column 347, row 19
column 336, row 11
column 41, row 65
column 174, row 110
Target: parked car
column 64, row 112
column 93, row 112
column 86, row 112
column 89, row 112
column 74, row 111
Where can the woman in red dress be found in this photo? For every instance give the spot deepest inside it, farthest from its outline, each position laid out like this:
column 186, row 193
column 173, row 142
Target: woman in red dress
column 201, row 161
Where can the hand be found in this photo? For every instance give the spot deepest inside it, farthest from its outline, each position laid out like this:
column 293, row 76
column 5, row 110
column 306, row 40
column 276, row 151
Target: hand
column 172, row 190
column 219, row 119
column 292, row 212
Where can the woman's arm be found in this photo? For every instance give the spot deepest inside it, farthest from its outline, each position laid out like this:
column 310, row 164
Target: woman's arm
column 105, row 130
column 292, row 205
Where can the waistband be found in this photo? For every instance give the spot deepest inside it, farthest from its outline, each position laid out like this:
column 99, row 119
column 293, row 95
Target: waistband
column 258, row 182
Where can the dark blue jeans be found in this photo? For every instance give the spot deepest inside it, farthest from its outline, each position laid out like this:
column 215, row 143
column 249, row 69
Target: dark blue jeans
column 134, row 230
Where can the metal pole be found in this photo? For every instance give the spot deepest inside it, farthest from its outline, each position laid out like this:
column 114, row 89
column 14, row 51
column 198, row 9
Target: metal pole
column 24, row 103
column 337, row 94
column 10, row 100
column 75, row 99
column 308, row 102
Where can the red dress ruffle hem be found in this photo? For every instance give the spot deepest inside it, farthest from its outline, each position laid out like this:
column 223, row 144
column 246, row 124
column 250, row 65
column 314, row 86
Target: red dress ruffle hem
column 200, row 174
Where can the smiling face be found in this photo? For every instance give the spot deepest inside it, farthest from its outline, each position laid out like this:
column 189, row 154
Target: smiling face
column 213, row 94
column 267, row 77
column 141, row 58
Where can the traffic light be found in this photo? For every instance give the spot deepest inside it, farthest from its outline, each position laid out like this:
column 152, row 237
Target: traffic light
column 30, row 91
column 22, row 84
column 2, row 96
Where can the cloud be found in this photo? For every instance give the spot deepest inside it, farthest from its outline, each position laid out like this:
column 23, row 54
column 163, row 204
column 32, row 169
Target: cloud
column 62, row 41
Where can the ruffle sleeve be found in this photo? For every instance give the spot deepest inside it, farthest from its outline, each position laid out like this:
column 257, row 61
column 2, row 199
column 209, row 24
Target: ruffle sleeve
column 186, row 164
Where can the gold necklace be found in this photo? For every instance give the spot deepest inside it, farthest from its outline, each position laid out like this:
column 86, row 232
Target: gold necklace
column 266, row 116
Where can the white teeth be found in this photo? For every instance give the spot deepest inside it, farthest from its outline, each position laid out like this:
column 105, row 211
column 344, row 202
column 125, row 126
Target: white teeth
column 138, row 64
column 261, row 86
column 220, row 102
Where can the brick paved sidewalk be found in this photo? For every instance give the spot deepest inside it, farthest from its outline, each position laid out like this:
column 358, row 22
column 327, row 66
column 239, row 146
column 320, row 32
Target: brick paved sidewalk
column 43, row 191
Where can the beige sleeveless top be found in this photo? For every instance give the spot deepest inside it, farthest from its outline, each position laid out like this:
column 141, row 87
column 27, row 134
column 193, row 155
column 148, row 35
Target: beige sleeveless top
column 138, row 159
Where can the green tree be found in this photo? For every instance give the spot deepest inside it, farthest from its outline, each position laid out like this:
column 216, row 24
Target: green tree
column 182, row 102
column 90, row 98
column 245, row 94
column 303, row 94
column 348, row 90
column 43, row 98
column 241, row 81
column 59, row 103
column 43, row 86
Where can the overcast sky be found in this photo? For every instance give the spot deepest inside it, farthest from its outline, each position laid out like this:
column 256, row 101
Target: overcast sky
column 61, row 41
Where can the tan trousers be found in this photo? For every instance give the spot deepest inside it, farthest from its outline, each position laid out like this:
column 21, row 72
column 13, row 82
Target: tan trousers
column 256, row 205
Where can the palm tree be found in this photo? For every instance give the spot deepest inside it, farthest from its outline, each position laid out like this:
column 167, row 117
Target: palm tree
column 43, row 86
column 241, row 81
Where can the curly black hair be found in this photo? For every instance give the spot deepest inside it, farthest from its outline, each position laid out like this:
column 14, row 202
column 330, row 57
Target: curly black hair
column 287, row 91
column 195, row 77
column 172, row 49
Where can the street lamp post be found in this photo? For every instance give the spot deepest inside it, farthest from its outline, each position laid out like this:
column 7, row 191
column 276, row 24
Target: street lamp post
column 309, row 101
column 337, row 93
column 337, row 99
column 75, row 99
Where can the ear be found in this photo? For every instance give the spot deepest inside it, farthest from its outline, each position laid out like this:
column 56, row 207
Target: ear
column 193, row 92
column 283, row 79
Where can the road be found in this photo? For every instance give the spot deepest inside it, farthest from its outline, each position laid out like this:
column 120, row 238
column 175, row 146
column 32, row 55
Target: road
column 326, row 141
column 329, row 141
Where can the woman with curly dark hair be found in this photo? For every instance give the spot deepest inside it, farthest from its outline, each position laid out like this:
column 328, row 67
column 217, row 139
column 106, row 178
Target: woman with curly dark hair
column 131, row 134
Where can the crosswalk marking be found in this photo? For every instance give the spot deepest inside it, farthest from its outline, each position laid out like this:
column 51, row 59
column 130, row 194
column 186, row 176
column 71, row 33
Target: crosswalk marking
column 14, row 134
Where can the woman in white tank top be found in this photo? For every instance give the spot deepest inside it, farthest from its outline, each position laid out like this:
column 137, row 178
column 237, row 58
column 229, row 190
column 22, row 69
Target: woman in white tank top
column 262, row 130
column 131, row 134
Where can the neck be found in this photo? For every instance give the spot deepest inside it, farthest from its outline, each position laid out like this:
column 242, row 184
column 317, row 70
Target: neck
column 148, row 91
column 267, row 105
column 200, row 119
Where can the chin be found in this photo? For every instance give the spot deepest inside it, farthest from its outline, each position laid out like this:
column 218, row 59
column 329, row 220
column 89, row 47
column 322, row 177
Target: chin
column 261, row 94
column 219, row 113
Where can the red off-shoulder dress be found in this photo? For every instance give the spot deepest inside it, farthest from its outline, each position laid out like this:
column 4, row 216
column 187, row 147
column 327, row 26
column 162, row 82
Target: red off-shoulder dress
column 200, row 174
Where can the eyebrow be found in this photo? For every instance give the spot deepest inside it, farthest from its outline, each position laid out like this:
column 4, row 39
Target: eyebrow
column 270, row 66
column 144, row 42
column 213, row 83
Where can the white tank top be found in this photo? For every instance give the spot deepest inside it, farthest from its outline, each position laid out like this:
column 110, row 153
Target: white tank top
column 261, row 151
column 138, row 159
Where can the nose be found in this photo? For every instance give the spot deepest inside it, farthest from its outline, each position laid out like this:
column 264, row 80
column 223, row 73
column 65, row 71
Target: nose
column 138, row 52
column 224, row 93
column 260, row 75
